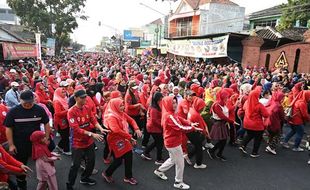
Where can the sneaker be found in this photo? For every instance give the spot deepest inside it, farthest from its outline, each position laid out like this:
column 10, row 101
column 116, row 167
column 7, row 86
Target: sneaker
column 270, row 150
column 143, row 147
column 242, row 149
column 298, row 149
column 203, row 148
column 67, row 153
column 131, row 181
column 285, row 145
column 107, row 178
column 201, row 166
column 254, row 155
column 60, row 150
column 146, row 157
column 88, row 181
column 221, row 157
column 106, row 161
column 96, row 147
column 181, row 185
column 138, row 150
column 209, row 145
column 159, row 162
column 160, row 174
column 188, row 161
column 94, row 172
column 211, row 154
column 309, row 162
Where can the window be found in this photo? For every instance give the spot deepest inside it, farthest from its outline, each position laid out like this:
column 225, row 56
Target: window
column 272, row 23
column 10, row 12
column 297, row 55
column 267, row 62
column 184, row 26
column 2, row 11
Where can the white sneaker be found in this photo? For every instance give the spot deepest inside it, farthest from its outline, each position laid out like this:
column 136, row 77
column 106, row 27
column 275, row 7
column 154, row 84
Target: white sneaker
column 67, row 153
column 209, row 145
column 160, row 174
column 285, row 145
column 270, row 150
column 181, row 185
column 298, row 149
column 309, row 162
column 189, row 162
column 201, row 166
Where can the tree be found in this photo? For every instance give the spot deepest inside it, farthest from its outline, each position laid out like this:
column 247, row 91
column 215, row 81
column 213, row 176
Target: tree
column 42, row 14
column 295, row 10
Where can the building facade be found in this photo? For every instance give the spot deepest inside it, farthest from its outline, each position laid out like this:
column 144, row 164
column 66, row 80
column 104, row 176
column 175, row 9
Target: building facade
column 204, row 17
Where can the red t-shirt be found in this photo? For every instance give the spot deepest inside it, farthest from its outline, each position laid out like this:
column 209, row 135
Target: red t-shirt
column 3, row 112
column 81, row 120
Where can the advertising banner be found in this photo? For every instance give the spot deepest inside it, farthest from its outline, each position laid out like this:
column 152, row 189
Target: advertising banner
column 130, row 36
column 50, row 46
column 14, row 51
column 202, row 48
column 38, row 42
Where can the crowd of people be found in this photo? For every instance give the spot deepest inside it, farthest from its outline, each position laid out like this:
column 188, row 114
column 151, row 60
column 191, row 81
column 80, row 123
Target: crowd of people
column 178, row 104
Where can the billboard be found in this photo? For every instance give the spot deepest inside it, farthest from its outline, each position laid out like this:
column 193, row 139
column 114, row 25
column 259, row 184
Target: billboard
column 50, row 46
column 202, row 48
column 14, row 51
column 132, row 35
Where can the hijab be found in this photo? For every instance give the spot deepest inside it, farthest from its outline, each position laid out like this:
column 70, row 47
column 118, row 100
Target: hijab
column 39, row 149
column 167, row 108
column 58, row 96
column 252, row 101
column 113, row 110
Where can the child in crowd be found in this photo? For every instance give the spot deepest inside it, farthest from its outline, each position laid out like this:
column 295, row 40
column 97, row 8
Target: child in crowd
column 46, row 172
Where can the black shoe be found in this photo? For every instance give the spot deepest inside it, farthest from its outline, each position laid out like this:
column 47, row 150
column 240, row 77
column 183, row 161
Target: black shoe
column 221, row 157
column 211, row 154
column 243, row 150
column 69, row 187
column 88, row 181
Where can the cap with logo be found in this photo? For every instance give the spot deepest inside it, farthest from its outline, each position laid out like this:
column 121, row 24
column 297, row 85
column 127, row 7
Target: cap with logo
column 14, row 84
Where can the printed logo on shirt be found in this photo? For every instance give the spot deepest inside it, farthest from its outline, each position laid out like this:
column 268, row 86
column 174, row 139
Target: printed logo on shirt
column 4, row 113
column 87, row 116
column 72, row 120
column 84, row 125
column 120, row 144
column 78, row 119
column 83, row 119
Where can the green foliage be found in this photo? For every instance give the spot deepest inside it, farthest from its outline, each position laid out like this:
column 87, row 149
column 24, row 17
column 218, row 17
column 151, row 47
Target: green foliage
column 41, row 14
column 293, row 11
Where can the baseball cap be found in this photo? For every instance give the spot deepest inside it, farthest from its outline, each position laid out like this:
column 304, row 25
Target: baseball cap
column 14, row 84
column 12, row 71
column 80, row 93
column 64, row 84
column 27, row 96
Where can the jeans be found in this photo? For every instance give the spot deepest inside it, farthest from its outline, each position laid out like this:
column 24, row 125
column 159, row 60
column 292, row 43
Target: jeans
column 196, row 139
column 64, row 142
column 257, row 135
column 158, row 143
column 299, row 131
column 117, row 162
column 78, row 154
column 175, row 158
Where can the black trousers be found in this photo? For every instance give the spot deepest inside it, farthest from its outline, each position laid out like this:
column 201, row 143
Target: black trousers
column 158, row 143
column 106, row 149
column 219, row 145
column 257, row 136
column 78, row 154
column 141, row 122
column 64, row 142
column 196, row 139
column 24, row 151
column 117, row 162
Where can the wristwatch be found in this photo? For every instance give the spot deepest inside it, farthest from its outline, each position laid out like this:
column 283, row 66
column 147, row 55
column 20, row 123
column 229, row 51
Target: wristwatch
column 89, row 134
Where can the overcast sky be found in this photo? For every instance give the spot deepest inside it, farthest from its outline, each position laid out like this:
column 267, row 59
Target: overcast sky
column 122, row 14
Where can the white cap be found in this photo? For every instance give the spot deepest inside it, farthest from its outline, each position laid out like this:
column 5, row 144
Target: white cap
column 14, row 84
column 12, row 71
column 21, row 61
column 63, row 84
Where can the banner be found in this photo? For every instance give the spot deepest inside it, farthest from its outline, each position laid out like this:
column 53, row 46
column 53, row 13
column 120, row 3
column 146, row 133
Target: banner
column 50, row 46
column 202, row 48
column 38, row 42
column 14, row 51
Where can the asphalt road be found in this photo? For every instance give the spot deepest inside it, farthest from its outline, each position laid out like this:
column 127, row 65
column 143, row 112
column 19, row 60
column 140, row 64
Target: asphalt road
column 286, row 171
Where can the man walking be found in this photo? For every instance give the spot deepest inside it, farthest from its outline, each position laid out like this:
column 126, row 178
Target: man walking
column 21, row 121
column 82, row 122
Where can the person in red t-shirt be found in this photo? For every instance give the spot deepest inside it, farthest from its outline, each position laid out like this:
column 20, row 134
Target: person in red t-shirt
column 82, row 121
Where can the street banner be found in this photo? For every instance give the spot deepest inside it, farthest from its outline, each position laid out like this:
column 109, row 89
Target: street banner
column 202, row 48
column 50, row 46
column 15, row 51
column 38, row 42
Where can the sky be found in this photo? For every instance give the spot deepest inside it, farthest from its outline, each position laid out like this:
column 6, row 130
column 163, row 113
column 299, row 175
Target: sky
column 117, row 15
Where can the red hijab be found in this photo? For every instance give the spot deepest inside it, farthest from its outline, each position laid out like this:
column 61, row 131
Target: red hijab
column 58, row 96
column 167, row 108
column 39, row 149
column 41, row 92
column 194, row 114
column 252, row 101
column 113, row 110
column 51, row 82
